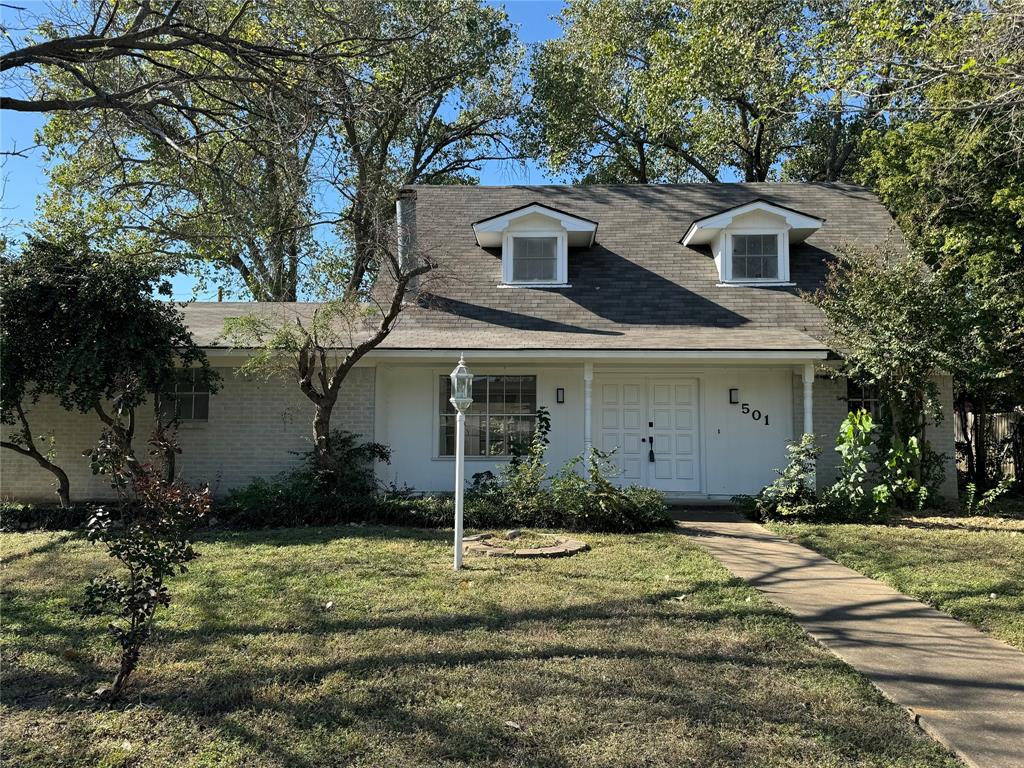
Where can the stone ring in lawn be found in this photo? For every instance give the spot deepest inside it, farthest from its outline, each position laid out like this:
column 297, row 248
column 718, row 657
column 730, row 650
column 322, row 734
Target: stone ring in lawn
column 482, row 544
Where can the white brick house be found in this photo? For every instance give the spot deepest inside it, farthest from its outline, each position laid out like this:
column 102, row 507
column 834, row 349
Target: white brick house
column 665, row 322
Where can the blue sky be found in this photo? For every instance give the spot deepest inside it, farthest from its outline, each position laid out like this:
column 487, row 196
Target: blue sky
column 24, row 180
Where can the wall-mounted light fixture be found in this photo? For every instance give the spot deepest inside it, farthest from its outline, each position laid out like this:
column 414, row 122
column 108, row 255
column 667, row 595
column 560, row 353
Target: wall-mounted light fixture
column 560, row 395
column 734, row 396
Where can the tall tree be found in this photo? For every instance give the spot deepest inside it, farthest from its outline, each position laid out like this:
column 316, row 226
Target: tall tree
column 647, row 91
column 590, row 117
column 951, row 168
column 171, row 69
column 430, row 110
column 276, row 206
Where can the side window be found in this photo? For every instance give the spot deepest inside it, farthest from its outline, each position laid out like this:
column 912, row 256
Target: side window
column 863, row 397
column 187, row 396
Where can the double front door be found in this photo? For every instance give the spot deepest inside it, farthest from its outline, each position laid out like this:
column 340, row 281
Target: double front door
column 651, row 424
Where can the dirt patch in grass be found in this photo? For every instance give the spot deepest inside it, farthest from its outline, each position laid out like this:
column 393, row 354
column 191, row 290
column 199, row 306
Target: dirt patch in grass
column 525, row 540
column 582, row 661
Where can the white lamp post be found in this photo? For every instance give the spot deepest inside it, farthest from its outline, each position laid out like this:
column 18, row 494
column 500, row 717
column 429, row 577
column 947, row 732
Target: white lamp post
column 462, row 398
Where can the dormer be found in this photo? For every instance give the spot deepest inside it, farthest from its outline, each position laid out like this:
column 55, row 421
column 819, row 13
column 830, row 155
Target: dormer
column 535, row 241
column 751, row 242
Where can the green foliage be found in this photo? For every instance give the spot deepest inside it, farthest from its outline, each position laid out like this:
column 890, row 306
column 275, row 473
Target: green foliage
column 890, row 318
column 396, row 93
column 950, row 167
column 520, row 485
column 972, row 505
column 875, row 478
column 89, row 330
column 642, row 91
column 310, row 495
column 148, row 532
column 85, row 328
column 517, row 497
column 42, row 517
column 592, row 502
column 899, row 485
column 790, row 495
column 854, row 444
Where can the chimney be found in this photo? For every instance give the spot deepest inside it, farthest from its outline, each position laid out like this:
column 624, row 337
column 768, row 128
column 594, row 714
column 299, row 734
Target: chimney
column 220, row 293
column 405, row 223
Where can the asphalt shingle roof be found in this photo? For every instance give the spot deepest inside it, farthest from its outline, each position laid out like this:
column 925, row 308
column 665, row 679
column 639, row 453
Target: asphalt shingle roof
column 636, row 288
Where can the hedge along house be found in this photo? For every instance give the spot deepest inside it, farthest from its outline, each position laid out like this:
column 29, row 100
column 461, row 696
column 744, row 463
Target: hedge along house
column 665, row 323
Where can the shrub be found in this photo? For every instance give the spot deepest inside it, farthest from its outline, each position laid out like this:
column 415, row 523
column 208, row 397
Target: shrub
column 594, row 503
column 517, row 497
column 789, row 496
column 520, row 486
column 148, row 533
column 972, row 505
column 308, row 495
column 848, row 496
column 45, row 517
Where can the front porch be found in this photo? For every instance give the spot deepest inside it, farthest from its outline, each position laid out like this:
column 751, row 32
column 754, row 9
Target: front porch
column 695, row 427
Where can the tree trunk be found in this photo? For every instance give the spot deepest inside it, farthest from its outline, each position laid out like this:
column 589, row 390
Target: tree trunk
column 129, row 661
column 322, row 432
column 29, row 450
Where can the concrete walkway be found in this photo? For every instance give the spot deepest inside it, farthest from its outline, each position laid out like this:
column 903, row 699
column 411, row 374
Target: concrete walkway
column 963, row 687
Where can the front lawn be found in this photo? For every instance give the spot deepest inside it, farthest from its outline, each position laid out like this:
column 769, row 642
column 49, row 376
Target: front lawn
column 641, row 652
column 970, row 567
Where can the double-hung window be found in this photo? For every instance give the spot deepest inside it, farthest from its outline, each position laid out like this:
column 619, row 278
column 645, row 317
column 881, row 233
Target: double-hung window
column 534, row 259
column 186, row 396
column 502, row 415
column 755, row 257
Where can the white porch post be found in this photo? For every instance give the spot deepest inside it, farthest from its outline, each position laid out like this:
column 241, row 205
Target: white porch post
column 588, row 386
column 808, row 377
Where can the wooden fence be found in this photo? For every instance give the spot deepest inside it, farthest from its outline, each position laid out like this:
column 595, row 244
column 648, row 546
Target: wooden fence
column 1001, row 425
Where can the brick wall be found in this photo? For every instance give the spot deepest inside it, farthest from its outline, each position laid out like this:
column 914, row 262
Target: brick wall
column 256, row 428
column 830, row 408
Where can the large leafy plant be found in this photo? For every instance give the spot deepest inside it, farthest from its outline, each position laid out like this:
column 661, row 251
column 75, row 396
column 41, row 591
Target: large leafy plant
column 854, row 444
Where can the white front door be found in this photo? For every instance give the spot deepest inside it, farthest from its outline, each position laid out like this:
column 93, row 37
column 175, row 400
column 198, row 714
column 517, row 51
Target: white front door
column 651, row 425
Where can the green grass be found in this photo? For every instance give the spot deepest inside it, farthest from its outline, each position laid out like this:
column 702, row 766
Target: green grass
column 953, row 563
column 583, row 661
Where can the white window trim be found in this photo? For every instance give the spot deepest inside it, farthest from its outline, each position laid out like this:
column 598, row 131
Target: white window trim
column 435, row 422
column 782, row 237
column 561, row 257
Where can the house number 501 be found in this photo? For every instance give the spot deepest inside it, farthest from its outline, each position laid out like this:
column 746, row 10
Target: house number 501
column 754, row 414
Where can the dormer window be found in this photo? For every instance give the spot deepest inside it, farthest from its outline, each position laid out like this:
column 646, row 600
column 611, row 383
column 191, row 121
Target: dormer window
column 755, row 257
column 751, row 242
column 535, row 259
column 535, row 242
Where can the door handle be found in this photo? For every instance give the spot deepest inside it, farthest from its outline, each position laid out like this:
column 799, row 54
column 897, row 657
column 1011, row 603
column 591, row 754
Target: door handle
column 650, row 453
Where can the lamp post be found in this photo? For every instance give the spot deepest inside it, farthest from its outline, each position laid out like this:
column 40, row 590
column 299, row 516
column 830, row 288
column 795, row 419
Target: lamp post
column 461, row 399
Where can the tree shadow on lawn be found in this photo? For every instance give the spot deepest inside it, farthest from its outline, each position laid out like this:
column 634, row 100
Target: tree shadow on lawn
column 321, row 534
column 660, row 685
column 55, row 639
column 712, row 664
column 53, row 544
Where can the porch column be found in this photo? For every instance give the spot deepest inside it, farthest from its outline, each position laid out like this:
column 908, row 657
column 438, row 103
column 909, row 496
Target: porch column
column 588, row 387
column 808, row 377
